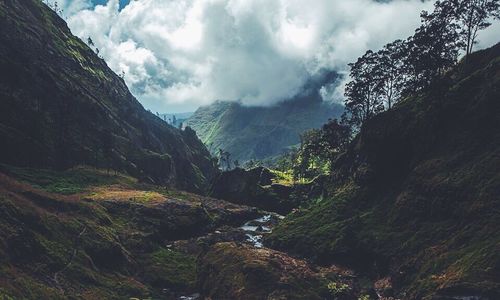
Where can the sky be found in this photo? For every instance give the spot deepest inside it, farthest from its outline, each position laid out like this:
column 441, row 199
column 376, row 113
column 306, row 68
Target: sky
column 180, row 54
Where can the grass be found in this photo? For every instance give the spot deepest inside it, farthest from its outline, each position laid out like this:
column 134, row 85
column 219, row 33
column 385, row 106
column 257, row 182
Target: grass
column 40, row 232
column 72, row 181
column 172, row 268
column 284, row 178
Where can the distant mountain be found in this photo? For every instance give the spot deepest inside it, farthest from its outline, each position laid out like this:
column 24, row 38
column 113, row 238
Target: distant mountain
column 61, row 106
column 175, row 119
column 260, row 132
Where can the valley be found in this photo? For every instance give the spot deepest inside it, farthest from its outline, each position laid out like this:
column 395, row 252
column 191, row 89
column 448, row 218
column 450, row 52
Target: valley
column 260, row 133
column 126, row 239
column 395, row 198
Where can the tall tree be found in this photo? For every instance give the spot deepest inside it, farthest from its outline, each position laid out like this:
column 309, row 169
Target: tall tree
column 390, row 68
column 363, row 92
column 433, row 49
column 471, row 16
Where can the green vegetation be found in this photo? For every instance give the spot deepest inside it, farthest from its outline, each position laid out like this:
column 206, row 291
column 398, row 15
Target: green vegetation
column 259, row 133
column 231, row 271
column 82, row 113
column 414, row 196
column 167, row 267
column 72, row 181
column 337, row 288
column 104, row 240
column 318, row 148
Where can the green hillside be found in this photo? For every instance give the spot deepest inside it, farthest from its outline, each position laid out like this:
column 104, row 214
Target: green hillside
column 260, row 132
column 414, row 200
column 62, row 106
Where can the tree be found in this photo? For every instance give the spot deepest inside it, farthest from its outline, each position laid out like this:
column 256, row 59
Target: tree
column 224, row 159
column 228, row 160
column 90, row 42
column 470, row 17
column 336, row 136
column 364, row 90
column 432, row 50
column 390, row 67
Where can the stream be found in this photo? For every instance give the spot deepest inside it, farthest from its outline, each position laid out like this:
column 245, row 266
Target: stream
column 255, row 229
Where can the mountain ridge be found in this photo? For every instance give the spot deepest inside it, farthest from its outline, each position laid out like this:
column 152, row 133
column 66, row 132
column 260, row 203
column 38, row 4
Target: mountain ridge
column 260, row 133
column 63, row 106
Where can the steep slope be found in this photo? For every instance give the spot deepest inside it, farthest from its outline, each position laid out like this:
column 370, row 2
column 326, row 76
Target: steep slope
column 415, row 201
column 61, row 106
column 260, row 132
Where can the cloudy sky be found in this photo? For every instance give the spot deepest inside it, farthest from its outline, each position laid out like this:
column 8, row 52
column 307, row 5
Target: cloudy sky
column 180, row 54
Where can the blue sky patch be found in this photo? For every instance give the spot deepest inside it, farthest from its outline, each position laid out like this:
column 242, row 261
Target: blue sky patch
column 123, row 3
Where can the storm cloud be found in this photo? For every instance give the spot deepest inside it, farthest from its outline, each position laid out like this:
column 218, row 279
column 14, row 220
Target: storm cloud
column 178, row 55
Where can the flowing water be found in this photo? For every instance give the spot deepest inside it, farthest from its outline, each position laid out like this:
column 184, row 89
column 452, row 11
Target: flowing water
column 254, row 230
column 257, row 228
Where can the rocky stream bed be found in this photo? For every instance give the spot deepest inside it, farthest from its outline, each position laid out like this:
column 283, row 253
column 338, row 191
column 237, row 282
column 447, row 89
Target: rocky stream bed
column 233, row 263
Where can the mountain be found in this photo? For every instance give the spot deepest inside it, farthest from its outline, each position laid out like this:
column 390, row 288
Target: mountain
column 175, row 119
column 260, row 132
column 414, row 202
column 62, row 106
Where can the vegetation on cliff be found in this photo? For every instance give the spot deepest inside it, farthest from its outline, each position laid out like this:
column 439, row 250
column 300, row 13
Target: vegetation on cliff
column 260, row 133
column 415, row 196
column 63, row 106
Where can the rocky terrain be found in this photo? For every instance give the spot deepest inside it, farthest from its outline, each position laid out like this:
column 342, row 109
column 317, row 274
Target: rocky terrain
column 87, row 234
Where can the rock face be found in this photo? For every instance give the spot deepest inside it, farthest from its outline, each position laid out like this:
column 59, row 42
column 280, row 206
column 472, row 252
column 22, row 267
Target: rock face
column 61, row 106
column 416, row 197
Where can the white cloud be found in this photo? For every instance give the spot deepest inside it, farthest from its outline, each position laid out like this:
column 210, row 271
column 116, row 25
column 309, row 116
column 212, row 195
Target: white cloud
column 180, row 54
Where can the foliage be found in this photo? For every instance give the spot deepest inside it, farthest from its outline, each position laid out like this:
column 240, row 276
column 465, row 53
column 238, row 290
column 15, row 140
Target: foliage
column 418, row 198
column 82, row 113
column 337, row 288
column 317, row 149
column 259, row 133
column 468, row 17
column 401, row 68
column 72, row 181
column 224, row 158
